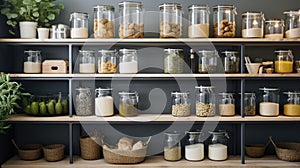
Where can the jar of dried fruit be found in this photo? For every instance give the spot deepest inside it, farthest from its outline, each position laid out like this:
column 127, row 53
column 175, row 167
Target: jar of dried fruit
column 104, row 17
column 205, row 101
column 107, row 61
column 224, row 21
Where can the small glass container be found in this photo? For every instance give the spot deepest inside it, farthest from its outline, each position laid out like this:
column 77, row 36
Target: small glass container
column 194, row 147
column 128, row 104
column 253, row 25
column 274, row 29
column 269, row 102
column 104, row 18
column 205, row 101
column 181, row 105
column 32, row 61
column 170, row 20
column 198, row 21
column 79, row 25
column 107, row 61
column 172, row 146
column 224, row 21
column 173, row 61
column 292, row 104
column 208, row 60
column 131, row 20
column 87, row 61
column 83, row 102
column 226, row 104
column 231, row 61
column 249, row 104
column 218, row 145
column 284, row 61
column 128, row 61
column 104, row 102
column 292, row 24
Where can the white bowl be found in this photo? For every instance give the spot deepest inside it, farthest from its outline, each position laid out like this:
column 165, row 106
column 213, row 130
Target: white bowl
column 253, row 67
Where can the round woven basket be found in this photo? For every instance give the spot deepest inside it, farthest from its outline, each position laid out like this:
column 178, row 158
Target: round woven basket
column 90, row 149
column 255, row 150
column 30, row 151
column 287, row 151
column 55, row 152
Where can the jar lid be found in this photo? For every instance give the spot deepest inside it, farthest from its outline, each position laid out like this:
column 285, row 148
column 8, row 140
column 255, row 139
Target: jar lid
column 103, row 89
column 208, row 52
column 89, row 52
column 224, row 7
column 79, row 15
column 107, row 51
column 283, row 51
column 175, row 133
column 130, row 3
column 180, row 93
column 226, row 94
column 32, row 51
column 218, row 132
column 292, row 93
column 104, row 8
column 171, row 5
column 200, row 7
column 229, row 52
column 193, row 132
column 124, row 50
column 248, row 94
column 127, row 93
column 204, row 87
column 291, row 13
column 252, row 14
column 274, row 21
column 173, row 49
column 83, row 88
column 269, row 89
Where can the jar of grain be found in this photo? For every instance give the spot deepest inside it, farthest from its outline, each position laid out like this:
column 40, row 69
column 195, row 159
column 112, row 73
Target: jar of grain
column 173, row 61
column 269, row 102
column 128, row 62
column 218, row 145
column 104, row 17
column 292, row 104
column 224, row 21
column 170, row 20
column 107, row 61
column 253, row 25
column 198, row 21
column 208, row 60
column 172, row 146
column 205, row 101
column 226, row 104
column 87, row 61
column 128, row 104
column 249, row 104
column 181, row 105
column 284, row 61
column 292, row 24
column 83, row 102
column 32, row 61
column 79, row 25
column 231, row 61
column 194, row 147
column 104, row 103
column 274, row 29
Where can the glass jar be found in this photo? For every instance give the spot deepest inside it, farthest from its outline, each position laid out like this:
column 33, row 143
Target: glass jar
column 104, row 103
column 292, row 24
column 208, row 60
column 87, row 61
column 231, row 61
column 32, row 61
column 107, row 61
column 224, row 21
column 284, row 61
column 172, row 146
column 274, row 29
column 194, row 147
column 83, row 102
column 181, row 105
column 205, row 101
column 104, row 17
column 79, row 25
column 253, row 25
column 249, row 104
column 218, row 145
column 128, row 104
column 269, row 102
column 292, row 104
column 226, row 104
column 131, row 20
column 128, row 61
column 198, row 21
column 173, row 61
column 170, row 20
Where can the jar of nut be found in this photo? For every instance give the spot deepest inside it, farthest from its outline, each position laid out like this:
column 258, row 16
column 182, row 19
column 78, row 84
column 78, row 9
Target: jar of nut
column 224, row 21
column 131, row 20
column 104, row 21
column 107, row 61
column 205, row 101
column 199, row 21
column 170, row 20
column 181, row 106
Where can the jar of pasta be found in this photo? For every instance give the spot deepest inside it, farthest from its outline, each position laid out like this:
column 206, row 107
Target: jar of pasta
column 107, row 61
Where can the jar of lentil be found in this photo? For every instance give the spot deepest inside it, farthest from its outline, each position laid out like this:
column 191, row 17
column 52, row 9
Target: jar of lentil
column 231, row 61
column 79, row 25
column 172, row 146
column 291, row 106
column 269, row 102
column 284, row 61
column 173, row 61
column 104, row 17
column 198, row 21
column 87, row 61
column 253, row 25
column 181, row 106
column 274, row 29
column 104, row 103
column 107, row 61
column 224, row 21
column 208, row 60
column 292, row 24
column 205, row 101
column 83, row 102
column 128, row 104
column 226, row 104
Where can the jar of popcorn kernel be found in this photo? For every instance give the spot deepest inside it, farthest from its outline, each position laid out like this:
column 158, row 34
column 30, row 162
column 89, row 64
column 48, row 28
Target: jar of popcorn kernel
column 104, row 21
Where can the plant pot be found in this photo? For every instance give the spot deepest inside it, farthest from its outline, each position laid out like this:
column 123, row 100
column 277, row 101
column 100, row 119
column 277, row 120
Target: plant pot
column 43, row 33
column 28, row 29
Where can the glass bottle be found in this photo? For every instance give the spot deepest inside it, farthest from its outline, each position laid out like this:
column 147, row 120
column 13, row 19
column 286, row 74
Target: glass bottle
column 224, row 21
column 128, row 104
column 173, row 61
column 231, row 61
column 104, row 18
column 107, row 61
column 83, row 102
column 198, row 21
column 218, row 145
column 284, row 61
column 226, row 104
column 172, row 146
column 87, row 61
column 205, row 101
column 292, row 24
column 249, row 104
column 79, row 25
column 274, row 29
column 269, row 102
column 104, row 103
column 32, row 61
column 170, row 20
column 128, row 61
column 194, row 147
column 292, row 104
column 208, row 60
column 253, row 25
column 181, row 105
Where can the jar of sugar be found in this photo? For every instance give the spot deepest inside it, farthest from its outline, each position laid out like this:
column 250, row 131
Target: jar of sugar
column 194, row 147
column 218, row 145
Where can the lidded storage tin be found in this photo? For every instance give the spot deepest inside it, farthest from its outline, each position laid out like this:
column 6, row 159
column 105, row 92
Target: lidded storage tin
column 226, row 104
column 32, row 61
column 292, row 24
column 181, row 105
column 107, row 61
column 274, row 29
column 224, row 21
column 194, row 147
column 205, row 101
column 198, row 21
column 269, row 102
column 79, row 25
column 218, row 145
column 128, row 61
column 231, row 61
column 83, row 102
column 104, row 18
column 284, row 61
column 208, row 61
column 128, row 104
column 172, row 146
column 87, row 61
column 292, row 104
column 173, row 61
column 253, row 25
column 104, row 103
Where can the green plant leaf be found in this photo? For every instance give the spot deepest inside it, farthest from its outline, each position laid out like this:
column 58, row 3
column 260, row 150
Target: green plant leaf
column 36, row 14
column 26, row 2
column 51, row 16
column 37, row 0
column 5, row 10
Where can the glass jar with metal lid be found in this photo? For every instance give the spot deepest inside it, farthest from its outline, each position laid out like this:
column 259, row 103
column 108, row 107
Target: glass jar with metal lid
column 208, row 60
column 249, row 104
column 32, row 61
column 226, row 104
column 104, row 103
column 128, row 104
column 224, row 21
column 291, row 106
column 181, row 105
column 274, row 29
column 292, row 24
column 198, row 21
column 83, row 101
column 87, row 61
column 284, row 61
column 205, row 101
column 194, row 147
column 173, row 61
column 107, row 61
column 269, row 102
column 104, row 18
column 128, row 61
column 170, row 20
column 172, row 146
column 79, row 25
column 218, row 145
column 131, row 20
column 253, row 25
column 231, row 61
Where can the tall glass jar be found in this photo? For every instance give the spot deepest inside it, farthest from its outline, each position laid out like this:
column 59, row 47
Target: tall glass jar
column 269, row 102
column 292, row 24
column 181, row 105
column 208, row 60
column 104, row 103
column 87, row 61
column 172, row 146
column 104, row 18
column 131, row 20
column 173, row 61
column 205, row 101
column 284, row 61
column 231, row 61
column 198, row 21
column 128, row 61
column 224, row 21
column 32, row 61
column 107, row 61
column 292, row 104
column 83, row 102
column 253, row 25
column 194, row 147
column 226, row 104
column 249, row 104
column 274, row 29
column 218, row 145
column 79, row 25
column 128, row 104
column 170, row 20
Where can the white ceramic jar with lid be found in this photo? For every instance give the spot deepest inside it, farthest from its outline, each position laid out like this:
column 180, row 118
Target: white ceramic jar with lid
column 128, row 61
column 79, row 25
column 198, row 21
column 292, row 24
column 32, row 61
column 104, row 103
column 253, row 25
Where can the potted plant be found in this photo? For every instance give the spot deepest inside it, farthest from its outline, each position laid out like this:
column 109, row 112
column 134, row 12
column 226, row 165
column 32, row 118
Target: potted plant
column 29, row 14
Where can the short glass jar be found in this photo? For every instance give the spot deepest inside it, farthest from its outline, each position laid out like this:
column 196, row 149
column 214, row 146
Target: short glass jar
column 198, row 21
column 291, row 106
column 128, row 104
column 107, row 61
column 170, row 20
column 269, row 102
column 224, row 21
column 79, row 25
column 32, row 61
column 292, row 24
column 205, row 101
column 284, row 61
column 226, row 104
column 87, row 61
column 274, row 29
column 253, row 25
column 173, row 61
column 83, row 102
column 249, row 104
column 181, row 105
column 128, row 62
column 218, row 145
column 104, row 18
column 194, row 147
column 208, row 61
column 172, row 146
column 231, row 61
column 104, row 102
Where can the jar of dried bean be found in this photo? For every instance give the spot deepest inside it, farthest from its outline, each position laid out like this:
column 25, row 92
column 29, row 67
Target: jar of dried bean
column 224, row 21
column 83, row 102
column 104, row 17
column 170, row 20
column 107, row 61
column 205, row 101
column 208, row 60
column 180, row 104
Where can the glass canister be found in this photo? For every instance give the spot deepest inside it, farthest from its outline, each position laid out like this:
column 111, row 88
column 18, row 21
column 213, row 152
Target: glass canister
column 79, row 25
column 107, row 61
column 226, row 104
column 253, row 25
column 83, row 102
column 292, row 104
column 249, row 104
column 231, row 61
column 32, row 61
column 269, row 101
column 131, row 20
column 170, row 20
column 205, row 101
column 198, row 21
column 173, row 61
column 218, row 145
column 104, row 18
column 274, row 29
column 128, row 61
column 128, row 104
column 104, row 103
column 194, row 147
column 284, row 61
column 224, row 21
column 172, row 146
column 292, row 24
column 87, row 61
column 208, row 60
column 181, row 105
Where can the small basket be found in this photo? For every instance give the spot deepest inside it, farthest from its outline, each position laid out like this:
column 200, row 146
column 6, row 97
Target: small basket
column 255, row 150
column 90, row 149
column 55, row 152
column 30, row 151
column 287, row 151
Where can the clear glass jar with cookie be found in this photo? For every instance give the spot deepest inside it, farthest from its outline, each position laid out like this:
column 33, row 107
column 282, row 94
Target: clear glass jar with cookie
column 107, row 61
column 104, row 17
column 224, row 21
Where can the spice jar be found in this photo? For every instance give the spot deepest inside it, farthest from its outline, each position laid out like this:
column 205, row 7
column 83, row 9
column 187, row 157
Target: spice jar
column 128, row 104
column 131, row 20
column 104, row 17
column 32, row 61
column 249, row 104
column 170, row 20
column 172, row 146
column 284, row 61
column 173, row 61
column 292, row 104
column 269, row 102
column 292, row 24
column 205, row 101
column 87, row 61
column 218, row 145
column 226, row 104
column 198, row 21
column 180, row 104
column 231, row 61
column 274, row 29
column 208, row 61
column 224, row 21
column 194, row 147
column 104, row 103
column 107, row 61
column 79, row 25
column 83, row 102
column 128, row 61
column 253, row 25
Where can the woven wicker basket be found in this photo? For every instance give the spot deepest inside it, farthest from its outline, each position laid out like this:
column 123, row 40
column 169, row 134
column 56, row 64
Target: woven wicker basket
column 30, row 151
column 255, row 150
column 287, row 151
column 90, row 149
column 55, row 152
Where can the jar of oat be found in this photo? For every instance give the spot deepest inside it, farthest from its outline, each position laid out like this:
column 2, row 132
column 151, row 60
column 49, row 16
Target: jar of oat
column 205, row 101
column 274, row 29
column 128, row 61
column 170, row 20
column 87, row 61
column 107, row 61
column 269, row 102
column 79, row 25
column 172, row 146
column 292, row 104
column 32, row 61
column 208, row 60
column 226, row 104
column 104, row 102
column 131, row 20
column 181, row 105
column 284, row 61
column 83, row 102
column 218, row 145
column 104, row 17
column 292, row 24
column 128, row 104
column 198, row 21
column 173, row 61
column 253, row 25
column 224, row 21
column 231, row 61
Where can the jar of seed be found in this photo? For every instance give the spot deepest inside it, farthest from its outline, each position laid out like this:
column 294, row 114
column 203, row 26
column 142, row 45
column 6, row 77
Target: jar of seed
column 205, row 101
column 83, row 102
